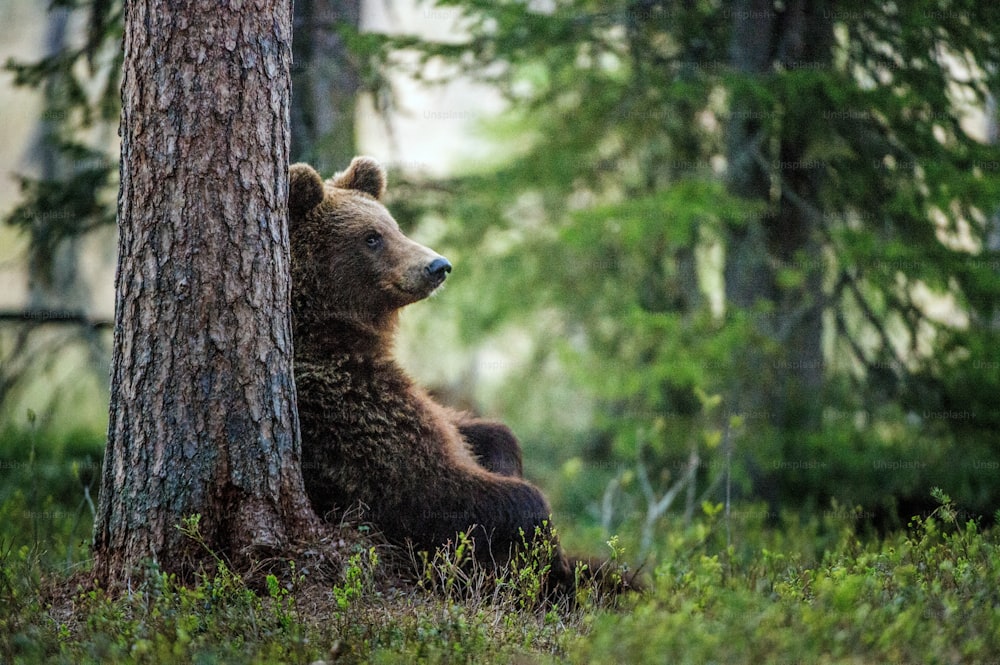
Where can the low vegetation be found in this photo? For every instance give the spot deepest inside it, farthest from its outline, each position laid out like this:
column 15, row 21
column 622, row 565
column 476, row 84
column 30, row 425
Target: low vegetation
column 720, row 589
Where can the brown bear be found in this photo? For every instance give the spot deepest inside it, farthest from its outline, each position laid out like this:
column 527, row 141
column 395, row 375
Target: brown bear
column 371, row 437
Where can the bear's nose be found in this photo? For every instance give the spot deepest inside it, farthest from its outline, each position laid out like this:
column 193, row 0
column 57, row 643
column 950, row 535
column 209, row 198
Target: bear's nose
column 437, row 269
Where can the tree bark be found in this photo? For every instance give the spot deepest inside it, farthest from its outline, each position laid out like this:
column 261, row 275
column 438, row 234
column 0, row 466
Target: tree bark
column 785, row 386
column 747, row 273
column 202, row 418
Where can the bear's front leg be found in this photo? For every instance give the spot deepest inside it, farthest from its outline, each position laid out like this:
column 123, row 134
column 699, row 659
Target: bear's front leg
column 494, row 445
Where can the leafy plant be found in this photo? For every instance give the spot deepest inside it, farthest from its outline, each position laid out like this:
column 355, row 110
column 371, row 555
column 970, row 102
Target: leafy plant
column 358, row 578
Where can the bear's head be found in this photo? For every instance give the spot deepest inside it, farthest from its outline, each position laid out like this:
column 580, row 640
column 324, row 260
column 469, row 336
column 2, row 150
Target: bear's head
column 351, row 265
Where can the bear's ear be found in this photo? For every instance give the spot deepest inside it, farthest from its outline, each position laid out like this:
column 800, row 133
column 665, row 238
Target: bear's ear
column 364, row 174
column 305, row 189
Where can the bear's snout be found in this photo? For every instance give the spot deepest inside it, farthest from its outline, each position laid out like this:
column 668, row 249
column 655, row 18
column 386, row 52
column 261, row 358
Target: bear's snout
column 437, row 270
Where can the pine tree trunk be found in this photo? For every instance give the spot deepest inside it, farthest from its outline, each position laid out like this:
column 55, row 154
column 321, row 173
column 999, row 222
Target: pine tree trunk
column 325, row 82
column 787, row 386
column 202, row 417
column 54, row 280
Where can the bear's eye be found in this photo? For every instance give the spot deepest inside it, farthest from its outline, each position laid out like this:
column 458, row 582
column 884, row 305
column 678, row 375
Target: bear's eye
column 373, row 240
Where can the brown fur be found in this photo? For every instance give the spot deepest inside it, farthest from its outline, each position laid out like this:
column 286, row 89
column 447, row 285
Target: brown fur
column 370, row 436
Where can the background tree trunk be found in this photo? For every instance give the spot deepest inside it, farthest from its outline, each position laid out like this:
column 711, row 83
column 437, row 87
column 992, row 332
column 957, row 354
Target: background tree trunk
column 747, row 273
column 768, row 154
column 325, row 82
column 54, row 280
column 202, row 417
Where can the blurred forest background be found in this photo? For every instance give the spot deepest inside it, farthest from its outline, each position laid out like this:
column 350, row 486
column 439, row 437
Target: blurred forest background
column 709, row 256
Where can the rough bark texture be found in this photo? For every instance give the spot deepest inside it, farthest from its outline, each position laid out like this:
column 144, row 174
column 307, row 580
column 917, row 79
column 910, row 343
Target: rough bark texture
column 325, row 83
column 202, row 417
column 768, row 162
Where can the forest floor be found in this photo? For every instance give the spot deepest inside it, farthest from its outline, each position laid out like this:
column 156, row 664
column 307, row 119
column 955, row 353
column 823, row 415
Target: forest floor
column 811, row 590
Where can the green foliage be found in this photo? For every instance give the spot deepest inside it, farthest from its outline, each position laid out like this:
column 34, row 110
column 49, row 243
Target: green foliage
column 610, row 218
column 81, row 98
column 217, row 620
column 67, row 190
column 358, row 578
column 926, row 595
column 54, row 616
column 615, row 217
column 810, row 591
column 520, row 585
column 49, row 485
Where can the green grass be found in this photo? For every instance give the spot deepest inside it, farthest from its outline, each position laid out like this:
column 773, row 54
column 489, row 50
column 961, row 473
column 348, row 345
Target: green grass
column 930, row 594
column 810, row 591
